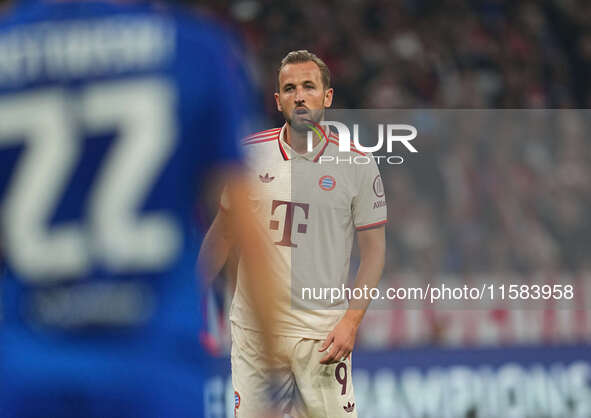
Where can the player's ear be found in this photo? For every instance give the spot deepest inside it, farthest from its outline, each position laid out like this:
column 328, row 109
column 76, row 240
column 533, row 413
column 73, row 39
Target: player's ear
column 328, row 97
column 279, row 108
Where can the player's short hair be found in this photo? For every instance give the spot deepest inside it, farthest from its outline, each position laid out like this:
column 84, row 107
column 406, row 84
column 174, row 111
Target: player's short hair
column 301, row 56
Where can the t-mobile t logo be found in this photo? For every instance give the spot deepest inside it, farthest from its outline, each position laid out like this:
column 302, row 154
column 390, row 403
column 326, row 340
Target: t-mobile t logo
column 288, row 225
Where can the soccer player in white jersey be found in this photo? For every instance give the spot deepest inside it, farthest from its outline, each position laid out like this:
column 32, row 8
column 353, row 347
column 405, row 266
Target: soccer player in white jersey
column 311, row 211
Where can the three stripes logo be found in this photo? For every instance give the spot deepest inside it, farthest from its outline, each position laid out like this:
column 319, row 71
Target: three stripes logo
column 327, row 183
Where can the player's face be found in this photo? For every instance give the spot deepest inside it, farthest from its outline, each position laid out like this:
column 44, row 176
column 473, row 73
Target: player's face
column 302, row 96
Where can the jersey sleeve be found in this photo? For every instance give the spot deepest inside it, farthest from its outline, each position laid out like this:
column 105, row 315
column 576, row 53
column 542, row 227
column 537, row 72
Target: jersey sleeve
column 369, row 203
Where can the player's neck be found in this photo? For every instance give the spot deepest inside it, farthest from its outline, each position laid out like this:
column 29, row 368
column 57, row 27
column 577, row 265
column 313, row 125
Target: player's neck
column 298, row 141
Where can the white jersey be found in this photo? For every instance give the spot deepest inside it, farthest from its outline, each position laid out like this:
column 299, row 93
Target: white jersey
column 310, row 209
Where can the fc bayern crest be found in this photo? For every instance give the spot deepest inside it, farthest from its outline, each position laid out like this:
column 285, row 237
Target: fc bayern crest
column 327, row 183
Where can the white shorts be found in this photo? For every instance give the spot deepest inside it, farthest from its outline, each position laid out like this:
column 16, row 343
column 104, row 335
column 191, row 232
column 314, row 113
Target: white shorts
column 302, row 386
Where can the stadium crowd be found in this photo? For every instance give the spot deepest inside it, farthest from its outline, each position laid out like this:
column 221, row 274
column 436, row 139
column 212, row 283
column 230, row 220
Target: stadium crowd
column 486, row 203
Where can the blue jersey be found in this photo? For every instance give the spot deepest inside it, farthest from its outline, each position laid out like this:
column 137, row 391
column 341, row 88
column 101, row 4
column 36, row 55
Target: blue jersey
column 110, row 119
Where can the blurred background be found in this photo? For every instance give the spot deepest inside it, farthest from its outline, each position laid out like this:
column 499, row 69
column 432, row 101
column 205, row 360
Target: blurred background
column 483, row 204
column 427, row 53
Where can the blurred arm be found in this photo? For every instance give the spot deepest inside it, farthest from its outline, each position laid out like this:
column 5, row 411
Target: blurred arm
column 238, row 226
column 216, row 246
column 259, row 283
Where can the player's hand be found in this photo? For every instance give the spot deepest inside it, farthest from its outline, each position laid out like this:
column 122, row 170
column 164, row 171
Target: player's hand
column 341, row 342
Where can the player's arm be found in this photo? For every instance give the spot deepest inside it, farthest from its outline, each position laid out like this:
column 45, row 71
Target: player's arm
column 238, row 226
column 230, row 103
column 372, row 249
column 369, row 216
column 216, row 246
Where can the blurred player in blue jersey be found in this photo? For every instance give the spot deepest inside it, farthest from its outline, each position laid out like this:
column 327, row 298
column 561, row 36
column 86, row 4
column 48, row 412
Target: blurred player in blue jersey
column 111, row 118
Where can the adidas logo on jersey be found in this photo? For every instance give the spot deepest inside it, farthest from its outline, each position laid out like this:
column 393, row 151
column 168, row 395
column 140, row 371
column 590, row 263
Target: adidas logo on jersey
column 266, row 178
column 349, row 407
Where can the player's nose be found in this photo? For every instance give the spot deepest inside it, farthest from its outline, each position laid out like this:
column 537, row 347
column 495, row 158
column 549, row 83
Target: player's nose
column 299, row 94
